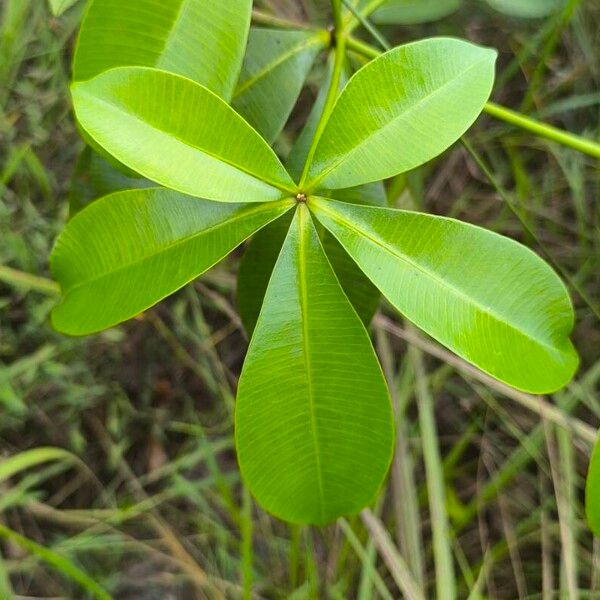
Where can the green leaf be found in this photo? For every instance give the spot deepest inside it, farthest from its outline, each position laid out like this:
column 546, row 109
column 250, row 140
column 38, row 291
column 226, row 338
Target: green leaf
column 484, row 296
column 314, row 426
column 58, row 7
column 592, row 491
column 95, row 177
column 401, row 110
column 256, row 267
column 412, row 12
column 127, row 251
column 203, row 40
column 179, row 134
column 527, row 9
column 275, row 68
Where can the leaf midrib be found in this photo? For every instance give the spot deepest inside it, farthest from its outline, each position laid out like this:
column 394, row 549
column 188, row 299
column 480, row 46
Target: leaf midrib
column 133, row 116
column 405, row 114
column 180, row 241
column 441, row 282
column 303, row 44
column 302, row 215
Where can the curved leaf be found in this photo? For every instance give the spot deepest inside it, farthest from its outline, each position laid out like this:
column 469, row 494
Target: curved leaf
column 179, row 134
column 592, row 491
column 200, row 39
column 401, row 110
column 412, row 12
column 527, row 9
column 127, row 251
column 484, row 296
column 314, row 428
column 275, row 68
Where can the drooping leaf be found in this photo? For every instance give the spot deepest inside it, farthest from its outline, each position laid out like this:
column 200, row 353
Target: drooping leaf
column 401, row 110
column 256, row 267
column 484, row 296
column 95, row 177
column 275, row 68
column 179, row 134
column 592, row 491
column 127, row 251
column 58, row 7
column 411, row 12
column 314, row 428
column 527, row 9
column 200, row 39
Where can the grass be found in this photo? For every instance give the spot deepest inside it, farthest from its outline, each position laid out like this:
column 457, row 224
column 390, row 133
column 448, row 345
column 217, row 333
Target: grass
column 117, row 466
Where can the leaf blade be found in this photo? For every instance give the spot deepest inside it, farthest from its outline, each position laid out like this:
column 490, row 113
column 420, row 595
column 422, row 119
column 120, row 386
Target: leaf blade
column 311, row 394
column 423, row 95
column 165, row 241
column 199, row 39
column 487, row 298
column 275, row 68
column 139, row 116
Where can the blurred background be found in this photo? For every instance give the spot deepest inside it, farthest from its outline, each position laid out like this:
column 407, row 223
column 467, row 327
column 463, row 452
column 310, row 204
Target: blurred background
column 117, row 465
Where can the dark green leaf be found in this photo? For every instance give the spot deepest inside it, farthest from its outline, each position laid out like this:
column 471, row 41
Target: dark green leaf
column 275, row 68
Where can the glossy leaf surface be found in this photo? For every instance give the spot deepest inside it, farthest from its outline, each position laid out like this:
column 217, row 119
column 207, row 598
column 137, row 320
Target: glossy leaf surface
column 314, row 425
column 411, row 12
column 401, row 110
column 484, row 296
column 200, row 39
column 592, row 491
column 275, row 68
column 127, row 251
column 527, row 9
column 179, row 134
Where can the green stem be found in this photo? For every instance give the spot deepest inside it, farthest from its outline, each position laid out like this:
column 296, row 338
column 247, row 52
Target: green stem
column 27, row 281
column 334, row 85
column 543, row 129
column 354, row 20
column 262, row 18
column 549, row 132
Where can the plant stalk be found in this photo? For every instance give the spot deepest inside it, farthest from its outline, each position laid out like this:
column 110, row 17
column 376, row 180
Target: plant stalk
column 339, row 39
column 27, row 281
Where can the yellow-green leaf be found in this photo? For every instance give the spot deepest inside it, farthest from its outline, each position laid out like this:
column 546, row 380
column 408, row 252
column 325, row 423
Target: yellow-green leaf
column 179, row 134
column 486, row 297
column 127, row 251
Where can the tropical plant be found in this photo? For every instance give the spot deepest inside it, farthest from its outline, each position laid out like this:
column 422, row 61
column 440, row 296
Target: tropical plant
column 156, row 93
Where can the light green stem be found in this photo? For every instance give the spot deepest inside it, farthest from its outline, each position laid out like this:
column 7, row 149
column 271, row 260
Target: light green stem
column 27, row 281
column 554, row 134
column 334, row 84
